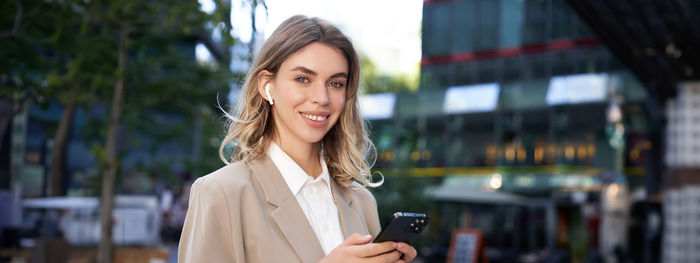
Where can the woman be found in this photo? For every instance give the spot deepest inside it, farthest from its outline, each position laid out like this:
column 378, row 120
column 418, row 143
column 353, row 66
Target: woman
column 295, row 188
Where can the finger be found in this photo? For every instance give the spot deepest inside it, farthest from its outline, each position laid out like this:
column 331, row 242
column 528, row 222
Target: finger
column 408, row 251
column 389, row 257
column 370, row 250
column 356, row 239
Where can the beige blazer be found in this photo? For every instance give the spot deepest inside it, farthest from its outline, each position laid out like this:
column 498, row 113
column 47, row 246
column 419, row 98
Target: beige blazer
column 245, row 212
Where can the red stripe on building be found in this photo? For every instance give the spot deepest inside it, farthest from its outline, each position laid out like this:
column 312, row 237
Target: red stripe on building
column 511, row 51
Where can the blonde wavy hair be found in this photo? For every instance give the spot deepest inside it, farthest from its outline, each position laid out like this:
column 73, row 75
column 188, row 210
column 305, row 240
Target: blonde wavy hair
column 250, row 127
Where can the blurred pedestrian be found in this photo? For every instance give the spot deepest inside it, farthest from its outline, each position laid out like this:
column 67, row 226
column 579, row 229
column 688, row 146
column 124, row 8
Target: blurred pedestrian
column 294, row 190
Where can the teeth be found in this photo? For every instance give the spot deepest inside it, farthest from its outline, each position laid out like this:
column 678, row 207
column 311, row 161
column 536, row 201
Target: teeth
column 314, row 117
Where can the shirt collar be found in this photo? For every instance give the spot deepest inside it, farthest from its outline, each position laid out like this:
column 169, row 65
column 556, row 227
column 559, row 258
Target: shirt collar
column 293, row 175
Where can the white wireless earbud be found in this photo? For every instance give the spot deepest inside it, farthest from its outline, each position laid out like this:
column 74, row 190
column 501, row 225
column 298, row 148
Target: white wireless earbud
column 267, row 92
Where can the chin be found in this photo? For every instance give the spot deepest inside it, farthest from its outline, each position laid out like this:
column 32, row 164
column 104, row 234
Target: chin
column 313, row 137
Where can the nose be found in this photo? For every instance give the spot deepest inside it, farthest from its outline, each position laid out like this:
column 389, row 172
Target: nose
column 319, row 94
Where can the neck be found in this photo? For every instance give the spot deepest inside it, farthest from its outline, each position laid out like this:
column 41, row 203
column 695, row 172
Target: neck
column 304, row 154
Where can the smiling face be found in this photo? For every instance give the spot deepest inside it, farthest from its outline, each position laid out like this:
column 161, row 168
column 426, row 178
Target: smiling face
column 308, row 92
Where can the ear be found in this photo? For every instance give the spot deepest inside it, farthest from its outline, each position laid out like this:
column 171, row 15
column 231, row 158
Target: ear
column 264, row 78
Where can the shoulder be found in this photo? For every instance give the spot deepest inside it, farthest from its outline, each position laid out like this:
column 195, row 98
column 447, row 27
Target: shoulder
column 232, row 176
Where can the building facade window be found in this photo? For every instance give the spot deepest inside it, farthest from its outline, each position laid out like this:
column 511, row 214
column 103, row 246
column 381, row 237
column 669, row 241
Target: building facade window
column 465, row 26
column 562, row 20
column 487, row 33
column 535, row 26
column 437, row 31
column 511, row 23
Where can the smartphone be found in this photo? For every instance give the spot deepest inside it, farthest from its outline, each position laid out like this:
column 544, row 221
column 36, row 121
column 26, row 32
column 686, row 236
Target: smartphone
column 404, row 227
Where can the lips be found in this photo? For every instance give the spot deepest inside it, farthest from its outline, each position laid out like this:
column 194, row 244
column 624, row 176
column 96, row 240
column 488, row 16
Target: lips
column 315, row 119
column 314, row 116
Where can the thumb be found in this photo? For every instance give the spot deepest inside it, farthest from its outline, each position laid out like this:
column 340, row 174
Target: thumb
column 357, row 239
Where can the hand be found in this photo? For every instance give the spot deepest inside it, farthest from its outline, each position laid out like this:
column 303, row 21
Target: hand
column 357, row 249
column 409, row 253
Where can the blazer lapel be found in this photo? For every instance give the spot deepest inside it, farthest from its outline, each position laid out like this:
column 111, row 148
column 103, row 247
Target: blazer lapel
column 287, row 213
column 350, row 220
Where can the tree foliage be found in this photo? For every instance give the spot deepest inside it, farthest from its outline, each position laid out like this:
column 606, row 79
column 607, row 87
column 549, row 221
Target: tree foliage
column 374, row 81
column 66, row 52
column 69, row 52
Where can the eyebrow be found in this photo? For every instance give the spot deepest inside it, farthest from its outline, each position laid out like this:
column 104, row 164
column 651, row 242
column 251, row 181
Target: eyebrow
column 311, row 72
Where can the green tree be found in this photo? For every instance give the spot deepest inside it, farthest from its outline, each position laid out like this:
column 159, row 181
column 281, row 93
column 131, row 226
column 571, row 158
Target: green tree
column 373, row 81
column 48, row 60
column 155, row 72
column 135, row 56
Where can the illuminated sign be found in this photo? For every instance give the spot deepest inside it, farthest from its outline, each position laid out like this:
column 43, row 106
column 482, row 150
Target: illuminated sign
column 471, row 98
column 377, row 106
column 577, row 89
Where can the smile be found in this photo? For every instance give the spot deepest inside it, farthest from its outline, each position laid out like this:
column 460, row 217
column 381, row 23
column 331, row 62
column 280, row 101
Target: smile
column 314, row 117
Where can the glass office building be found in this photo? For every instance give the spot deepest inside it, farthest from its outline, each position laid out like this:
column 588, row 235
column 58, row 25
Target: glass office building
column 508, row 84
column 522, row 98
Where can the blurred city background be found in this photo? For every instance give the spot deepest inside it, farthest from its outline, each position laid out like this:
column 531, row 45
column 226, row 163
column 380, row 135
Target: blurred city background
column 529, row 130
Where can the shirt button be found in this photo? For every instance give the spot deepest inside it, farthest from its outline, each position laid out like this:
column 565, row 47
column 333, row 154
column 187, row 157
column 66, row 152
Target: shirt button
column 325, row 228
column 311, row 190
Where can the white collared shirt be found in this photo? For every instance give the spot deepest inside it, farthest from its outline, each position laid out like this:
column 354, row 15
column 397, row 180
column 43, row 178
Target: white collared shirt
column 313, row 195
